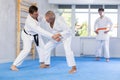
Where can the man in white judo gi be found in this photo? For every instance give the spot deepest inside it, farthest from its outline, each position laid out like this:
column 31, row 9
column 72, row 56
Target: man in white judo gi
column 32, row 32
column 58, row 26
column 102, row 26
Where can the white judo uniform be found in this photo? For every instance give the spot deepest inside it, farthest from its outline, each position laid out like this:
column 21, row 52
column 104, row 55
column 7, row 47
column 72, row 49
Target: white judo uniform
column 31, row 28
column 102, row 38
column 60, row 27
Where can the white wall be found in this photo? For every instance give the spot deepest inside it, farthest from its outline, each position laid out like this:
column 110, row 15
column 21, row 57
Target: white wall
column 75, row 46
column 44, row 6
column 7, row 30
column 8, row 27
column 86, row 46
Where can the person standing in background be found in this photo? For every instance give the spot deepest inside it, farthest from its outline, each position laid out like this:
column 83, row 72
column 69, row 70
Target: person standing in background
column 101, row 27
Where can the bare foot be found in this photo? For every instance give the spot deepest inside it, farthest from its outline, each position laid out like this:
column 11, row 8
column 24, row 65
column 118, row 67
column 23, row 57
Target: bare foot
column 14, row 68
column 44, row 66
column 97, row 58
column 73, row 70
column 107, row 59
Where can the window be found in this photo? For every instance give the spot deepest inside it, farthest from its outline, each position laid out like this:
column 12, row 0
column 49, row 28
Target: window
column 113, row 32
column 94, row 8
column 110, row 11
column 81, row 20
column 65, row 11
column 85, row 16
column 81, row 25
column 93, row 17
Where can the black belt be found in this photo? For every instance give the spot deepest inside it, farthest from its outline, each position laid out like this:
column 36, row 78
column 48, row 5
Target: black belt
column 36, row 38
column 27, row 33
